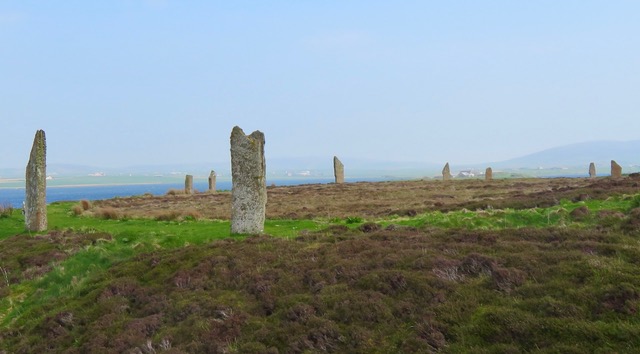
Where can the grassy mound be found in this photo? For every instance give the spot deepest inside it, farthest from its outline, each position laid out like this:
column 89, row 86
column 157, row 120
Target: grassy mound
column 340, row 290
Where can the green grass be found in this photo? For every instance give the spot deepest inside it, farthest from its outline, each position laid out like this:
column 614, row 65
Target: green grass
column 60, row 217
column 480, row 281
column 12, row 225
column 495, row 219
column 148, row 231
column 130, row 237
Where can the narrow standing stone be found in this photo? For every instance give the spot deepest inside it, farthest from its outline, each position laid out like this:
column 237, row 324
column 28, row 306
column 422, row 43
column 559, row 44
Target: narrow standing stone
column 212, row 181
column 35, row 207
column 188, row 184
column 249, row 184
column 592, row 170
column 616, row 170
column 488, row 174
column 338, row 170
column 446, row 173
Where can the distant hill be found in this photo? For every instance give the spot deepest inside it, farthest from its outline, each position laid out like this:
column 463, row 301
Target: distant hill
column 626, row 153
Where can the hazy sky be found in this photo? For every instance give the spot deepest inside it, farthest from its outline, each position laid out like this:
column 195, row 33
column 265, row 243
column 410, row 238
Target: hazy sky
column 126, row 82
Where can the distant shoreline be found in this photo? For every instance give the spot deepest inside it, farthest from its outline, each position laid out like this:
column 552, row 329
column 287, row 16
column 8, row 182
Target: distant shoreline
column 11, row 180
column 103, row 184
column 91, row 185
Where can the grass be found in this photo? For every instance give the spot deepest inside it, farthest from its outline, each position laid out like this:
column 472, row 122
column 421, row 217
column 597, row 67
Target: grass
column 6, row 210
column 126, row 239
column 492, row 280
column 493, row 219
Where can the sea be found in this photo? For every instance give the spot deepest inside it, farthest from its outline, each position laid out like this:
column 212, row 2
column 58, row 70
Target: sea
column 14, row 196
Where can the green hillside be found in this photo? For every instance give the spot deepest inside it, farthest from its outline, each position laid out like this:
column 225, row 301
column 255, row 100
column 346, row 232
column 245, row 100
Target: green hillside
column 562, row 278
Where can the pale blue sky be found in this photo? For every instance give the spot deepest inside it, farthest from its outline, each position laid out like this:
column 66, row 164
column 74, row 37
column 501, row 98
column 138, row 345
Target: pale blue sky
column 128, row 82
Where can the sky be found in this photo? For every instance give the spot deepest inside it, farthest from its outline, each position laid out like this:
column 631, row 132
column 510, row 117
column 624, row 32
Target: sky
column 147, row 82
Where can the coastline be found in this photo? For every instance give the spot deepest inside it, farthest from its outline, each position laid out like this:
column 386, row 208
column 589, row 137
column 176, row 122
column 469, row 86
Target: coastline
column 91, row 181
column 79, row 185
column 75, row 189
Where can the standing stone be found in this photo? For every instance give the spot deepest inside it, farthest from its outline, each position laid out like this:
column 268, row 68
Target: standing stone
column 338, row 170
column 446, row 173
column 616, row 170
column 592, row 170
column 35, row 206
column 212, row 181
column 249, row 183
column 188, row 184
column 488, row 174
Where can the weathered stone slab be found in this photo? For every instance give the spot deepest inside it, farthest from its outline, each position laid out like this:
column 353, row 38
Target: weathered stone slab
column 338, row 170
column 212, row 181
column 488, row 174
column 592, row 170
column 616, row 170
column 249, row 185
column 188, row 184
column 446, row 173
column 35, row 206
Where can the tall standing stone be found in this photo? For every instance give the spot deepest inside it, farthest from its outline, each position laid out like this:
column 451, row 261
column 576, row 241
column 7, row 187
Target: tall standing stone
column 35, row 206
column 616, row 170
column 249, row 184
column 188, row 184
column 338, row 170
column 592, row 170
column 488, row 174
column 446, row 173
column 212, row 181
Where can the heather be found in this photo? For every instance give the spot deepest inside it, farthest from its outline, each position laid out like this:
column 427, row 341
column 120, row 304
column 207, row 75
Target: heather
column 488, row 270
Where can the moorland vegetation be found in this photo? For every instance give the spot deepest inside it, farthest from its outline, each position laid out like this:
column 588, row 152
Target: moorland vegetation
column 517, row 265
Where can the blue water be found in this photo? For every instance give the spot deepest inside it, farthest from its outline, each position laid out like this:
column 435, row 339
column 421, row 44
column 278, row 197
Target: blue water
column 15, row 196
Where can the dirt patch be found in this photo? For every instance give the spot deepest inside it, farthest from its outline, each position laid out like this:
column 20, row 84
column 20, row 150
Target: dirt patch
column 580, row 213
